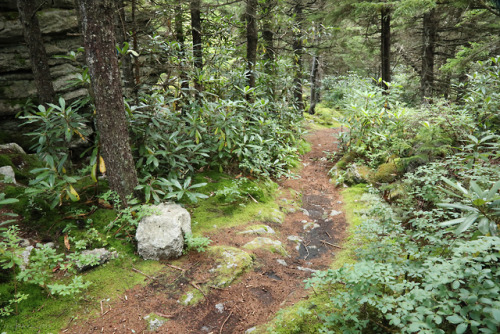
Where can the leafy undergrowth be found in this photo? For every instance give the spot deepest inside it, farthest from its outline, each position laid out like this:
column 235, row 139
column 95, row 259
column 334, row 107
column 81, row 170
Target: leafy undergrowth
column 231, row 201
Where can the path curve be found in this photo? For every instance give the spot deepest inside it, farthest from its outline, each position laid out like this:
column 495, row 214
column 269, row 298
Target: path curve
column 274, row 282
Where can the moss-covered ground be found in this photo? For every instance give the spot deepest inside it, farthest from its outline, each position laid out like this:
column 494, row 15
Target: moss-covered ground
column 231, row 202
column 323, row 118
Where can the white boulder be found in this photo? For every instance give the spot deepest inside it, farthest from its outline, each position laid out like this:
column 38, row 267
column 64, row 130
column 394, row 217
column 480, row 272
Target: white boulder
column 161, row 235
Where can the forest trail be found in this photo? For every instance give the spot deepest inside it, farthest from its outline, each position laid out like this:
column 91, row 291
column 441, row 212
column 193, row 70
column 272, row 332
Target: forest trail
column 273, row 282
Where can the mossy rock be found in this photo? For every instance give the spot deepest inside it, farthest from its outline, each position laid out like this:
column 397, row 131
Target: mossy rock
column 154, row 321
column 192, row 297
column 273, row 246
column 21, row 163
column 411, row 163
column 273, row 216
column 258, row 229
column 346, row 160
column 386, row 173
column 230, row 263
column 356, row 174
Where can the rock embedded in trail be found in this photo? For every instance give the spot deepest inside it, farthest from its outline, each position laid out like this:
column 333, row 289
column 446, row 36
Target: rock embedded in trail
column 258, row 229
column 274, row 246
column 161, row 235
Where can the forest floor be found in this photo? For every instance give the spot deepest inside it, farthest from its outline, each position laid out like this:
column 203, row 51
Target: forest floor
column 268, row 286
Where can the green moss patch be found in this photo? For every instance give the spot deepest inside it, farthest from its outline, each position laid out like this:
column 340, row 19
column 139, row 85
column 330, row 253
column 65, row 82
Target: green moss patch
column 324, row 117
column 386, row 173
column 41, row 313
column 233, row 203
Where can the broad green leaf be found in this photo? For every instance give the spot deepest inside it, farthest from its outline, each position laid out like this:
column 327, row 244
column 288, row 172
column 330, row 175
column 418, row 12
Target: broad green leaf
column 469, row 220
column 457, row 206
column 8, row 201
column 496, row 314
column 462, row 328
column 455, row 319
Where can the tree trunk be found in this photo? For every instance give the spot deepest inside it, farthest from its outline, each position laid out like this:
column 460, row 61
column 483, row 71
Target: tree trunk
column 268, row 43
column 252, row 38
column 100, row 53
column 179, row 36
column 385, row 46
column 135, row 44
column 197, row 43
column 314, row 84
column 38, row 56
column 297, row 52
column 429, row 42
column 121, row 29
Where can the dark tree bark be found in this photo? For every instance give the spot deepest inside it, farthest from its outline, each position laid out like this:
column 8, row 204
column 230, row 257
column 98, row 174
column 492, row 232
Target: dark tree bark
column 121, row 29
column 135, row 44
column 428, row 51
column 197, row 42
column 385, row 45
column 268, row 36
column 252, row 39
column 38, row 55
column 298, row 53
column 314, row 85
column 179, row 36
column 102, row 61
column 268, row 43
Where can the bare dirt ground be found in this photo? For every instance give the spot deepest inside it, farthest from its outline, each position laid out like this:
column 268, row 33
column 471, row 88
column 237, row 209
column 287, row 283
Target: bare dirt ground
column 257, row 295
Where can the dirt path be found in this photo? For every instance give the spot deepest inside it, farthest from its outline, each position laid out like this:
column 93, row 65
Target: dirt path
column 269, row 286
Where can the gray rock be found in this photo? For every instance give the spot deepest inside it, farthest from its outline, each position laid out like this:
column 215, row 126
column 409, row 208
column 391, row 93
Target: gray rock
column 161, row 236
column 12, row 147
column 26, row 256
column 95, row 257
column 24, row 243
column 250, row 330
column 335, row 213
column 155, row 321
column 273, row 246
column 258, row 229
column 282, row 262
column 8, row 174
column 220, row 307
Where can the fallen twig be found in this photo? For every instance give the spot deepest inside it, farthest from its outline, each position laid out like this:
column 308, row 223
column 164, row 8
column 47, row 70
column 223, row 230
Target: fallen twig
column 102, row 309
column 221, row 327
column 175, row 267
column 253, row 198
column 330, row 244
column 328, row 234
column 216, row 288
column 307, row 250
column 140, row 272
column 165, row 315
column 198, row 288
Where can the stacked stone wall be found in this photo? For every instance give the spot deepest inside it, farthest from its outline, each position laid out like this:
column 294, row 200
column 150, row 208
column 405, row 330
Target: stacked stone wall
column 60, row 30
